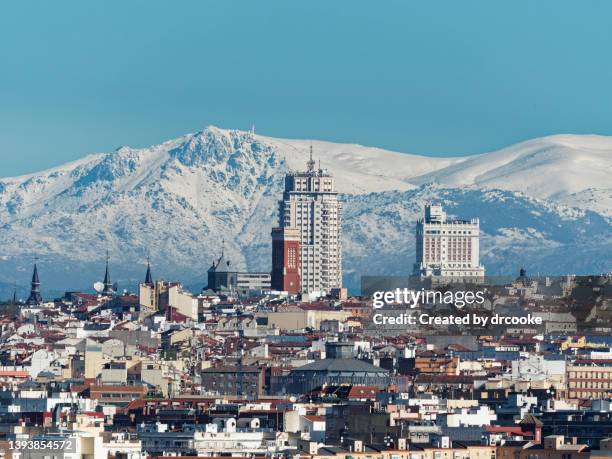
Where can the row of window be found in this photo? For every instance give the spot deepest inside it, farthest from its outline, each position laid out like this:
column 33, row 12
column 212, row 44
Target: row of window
column 590, row 385
column 591, row 374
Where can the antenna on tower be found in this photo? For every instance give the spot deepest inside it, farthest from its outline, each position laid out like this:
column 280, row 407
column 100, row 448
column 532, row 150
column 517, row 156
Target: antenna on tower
column 311, row 162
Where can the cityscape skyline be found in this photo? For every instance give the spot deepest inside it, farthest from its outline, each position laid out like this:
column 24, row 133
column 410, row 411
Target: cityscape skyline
column 186, row 180
column 396, row 247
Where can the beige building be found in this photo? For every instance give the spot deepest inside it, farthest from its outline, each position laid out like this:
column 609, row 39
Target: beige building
column 296, row 318
column 153, row 373
column 153, row 296
column 589, row 379
column 94, row 359
column 183, row 302
column 554, row 447
column 113, row 348
column 114, row 373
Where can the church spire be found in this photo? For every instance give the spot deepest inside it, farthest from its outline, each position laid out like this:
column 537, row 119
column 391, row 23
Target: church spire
column 108, row 285
column 148, row 276
column 35, row 297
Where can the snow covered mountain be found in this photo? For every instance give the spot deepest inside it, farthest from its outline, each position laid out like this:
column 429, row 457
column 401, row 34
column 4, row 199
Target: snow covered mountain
column 570, row 169
column 546, row 199
column 517, row 230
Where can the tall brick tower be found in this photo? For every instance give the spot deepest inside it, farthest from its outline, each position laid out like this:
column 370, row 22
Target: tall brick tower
column 286, row 259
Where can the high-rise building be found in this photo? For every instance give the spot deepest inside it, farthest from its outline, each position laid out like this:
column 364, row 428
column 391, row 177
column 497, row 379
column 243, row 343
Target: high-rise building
column 286, row 259
column 310, row 204
column 447, row 248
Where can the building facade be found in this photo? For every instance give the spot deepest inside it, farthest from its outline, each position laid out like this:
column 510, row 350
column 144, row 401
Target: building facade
column 589, row 379
column 311, row 205
column 246, row 282
column 154, row 297
column 233, row 380
column 222, row 277
column 286, row 259
column 338, row 368
column 447, row 248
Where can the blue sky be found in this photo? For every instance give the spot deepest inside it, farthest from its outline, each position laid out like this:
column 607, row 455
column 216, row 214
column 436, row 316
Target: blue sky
column 431, row 77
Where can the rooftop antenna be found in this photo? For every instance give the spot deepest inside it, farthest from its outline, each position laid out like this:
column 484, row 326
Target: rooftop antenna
column 311, row 162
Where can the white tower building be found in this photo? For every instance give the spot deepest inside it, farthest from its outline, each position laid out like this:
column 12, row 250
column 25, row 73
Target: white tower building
column 310, row 204
column 446, row 248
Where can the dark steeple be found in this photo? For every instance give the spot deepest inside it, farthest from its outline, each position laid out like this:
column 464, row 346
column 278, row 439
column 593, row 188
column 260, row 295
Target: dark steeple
column 15, row 294
column 35, row 297
column 523, row 279
column 148, row 277
column 221, row 276
column 108, row 285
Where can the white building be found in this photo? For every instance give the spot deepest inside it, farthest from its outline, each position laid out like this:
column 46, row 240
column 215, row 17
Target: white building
column 246, row 282
column 534, row 367
column 310, row 204
column 447, row 248
column 467, row 417
column 242, row 437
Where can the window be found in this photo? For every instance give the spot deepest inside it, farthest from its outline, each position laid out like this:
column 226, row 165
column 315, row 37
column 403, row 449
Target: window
column 291, row 257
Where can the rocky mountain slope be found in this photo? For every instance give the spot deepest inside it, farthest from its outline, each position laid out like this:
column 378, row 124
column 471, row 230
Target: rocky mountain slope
column 545, row 203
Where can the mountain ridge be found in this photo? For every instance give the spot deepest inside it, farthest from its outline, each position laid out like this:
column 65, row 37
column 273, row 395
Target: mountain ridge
column 179, row 199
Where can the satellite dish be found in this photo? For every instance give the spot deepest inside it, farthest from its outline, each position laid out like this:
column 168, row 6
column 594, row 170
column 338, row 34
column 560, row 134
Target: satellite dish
column 98, row 287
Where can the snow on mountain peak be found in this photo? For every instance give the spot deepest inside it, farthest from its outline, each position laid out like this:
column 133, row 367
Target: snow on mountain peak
column 178, row 199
